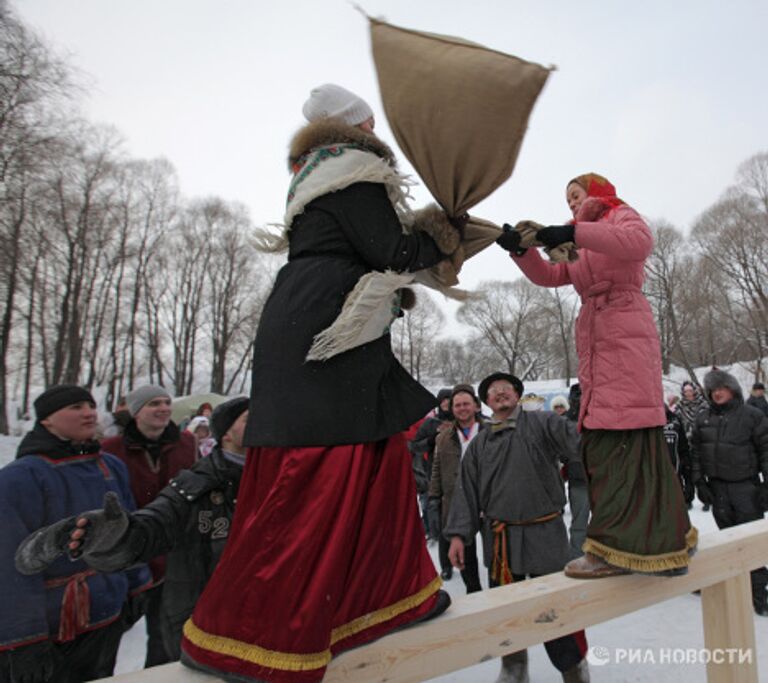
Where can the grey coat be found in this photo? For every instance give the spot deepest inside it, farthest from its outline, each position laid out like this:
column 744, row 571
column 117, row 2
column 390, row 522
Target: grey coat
column 512, row 475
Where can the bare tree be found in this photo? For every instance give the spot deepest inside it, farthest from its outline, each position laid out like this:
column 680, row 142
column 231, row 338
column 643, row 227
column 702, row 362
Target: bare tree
column 501, row 313
column 730, row 237
column 238, row 281
column 32, row 84
column 414, row 335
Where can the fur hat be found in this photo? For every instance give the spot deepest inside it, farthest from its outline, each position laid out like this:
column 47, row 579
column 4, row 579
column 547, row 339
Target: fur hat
column 329, row 100
column 225, row 414
column 717, row 378
column 514, row 381
column 560, row 401
column 464, row 389
column 138, row 398
column 60, row 396
column 443, row 394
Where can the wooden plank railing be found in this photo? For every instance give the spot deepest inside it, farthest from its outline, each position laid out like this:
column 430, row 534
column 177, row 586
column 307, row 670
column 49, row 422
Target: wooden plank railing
column 495, row 622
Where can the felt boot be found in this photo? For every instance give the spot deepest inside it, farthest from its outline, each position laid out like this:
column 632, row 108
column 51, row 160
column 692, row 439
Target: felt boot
column 514, row 668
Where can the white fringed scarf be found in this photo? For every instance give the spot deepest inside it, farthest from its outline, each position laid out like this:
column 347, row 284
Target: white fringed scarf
column 374, row 303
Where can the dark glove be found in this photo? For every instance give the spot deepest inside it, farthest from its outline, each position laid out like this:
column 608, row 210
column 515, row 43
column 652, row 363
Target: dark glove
column 761, row 496
column 110, row 543
column 555, row 235
column 134, row 608
column 34, row 663
column 704, row 492
column 41, row 548
column 510, row 240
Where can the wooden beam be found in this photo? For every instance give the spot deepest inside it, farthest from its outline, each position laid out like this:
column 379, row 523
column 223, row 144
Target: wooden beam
column 491, row 623
column 729, row 631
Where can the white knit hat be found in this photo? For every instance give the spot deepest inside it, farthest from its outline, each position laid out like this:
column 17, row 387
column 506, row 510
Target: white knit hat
column 333, row 100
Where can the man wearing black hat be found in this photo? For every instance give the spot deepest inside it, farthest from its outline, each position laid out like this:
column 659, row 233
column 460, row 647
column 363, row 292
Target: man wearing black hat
column 61, row 620
column 510, row 489
column 189, row 521
column 757, row 398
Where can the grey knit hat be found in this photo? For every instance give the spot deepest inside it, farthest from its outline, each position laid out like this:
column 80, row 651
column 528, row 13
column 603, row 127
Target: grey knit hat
column 332, row 100
column 138, row 398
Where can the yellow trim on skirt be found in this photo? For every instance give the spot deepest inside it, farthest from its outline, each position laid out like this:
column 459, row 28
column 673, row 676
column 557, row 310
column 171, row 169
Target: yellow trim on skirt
column 645, row 563
column 288, row 661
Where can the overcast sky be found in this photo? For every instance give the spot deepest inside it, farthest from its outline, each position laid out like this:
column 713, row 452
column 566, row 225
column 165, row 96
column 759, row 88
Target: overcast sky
column 666, row 99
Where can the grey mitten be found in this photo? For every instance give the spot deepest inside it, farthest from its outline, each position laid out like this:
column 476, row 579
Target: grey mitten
column 42, row 547
column 110, row 543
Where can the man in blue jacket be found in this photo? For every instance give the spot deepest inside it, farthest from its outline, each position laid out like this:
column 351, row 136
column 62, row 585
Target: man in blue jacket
column 59, row 620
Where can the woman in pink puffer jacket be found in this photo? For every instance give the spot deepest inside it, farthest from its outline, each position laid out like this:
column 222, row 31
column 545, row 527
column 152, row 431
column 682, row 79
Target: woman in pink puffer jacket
column 639, row 521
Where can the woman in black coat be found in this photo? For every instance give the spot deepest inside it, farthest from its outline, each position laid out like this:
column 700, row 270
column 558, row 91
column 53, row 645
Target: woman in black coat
column 327, row 550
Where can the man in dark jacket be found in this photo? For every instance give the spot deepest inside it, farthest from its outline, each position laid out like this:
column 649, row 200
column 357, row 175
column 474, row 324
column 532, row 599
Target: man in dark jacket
column 450, row 446
column 154, row 450
column 422, row 448
column 60, row 620
column 757, row 398
column 189, row 520
column 729, row 448
column 511, row 490
column 679, row 453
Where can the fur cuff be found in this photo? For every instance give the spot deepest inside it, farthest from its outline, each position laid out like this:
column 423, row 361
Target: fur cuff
column 434, row 221
column 528, row 231
column 563, row 253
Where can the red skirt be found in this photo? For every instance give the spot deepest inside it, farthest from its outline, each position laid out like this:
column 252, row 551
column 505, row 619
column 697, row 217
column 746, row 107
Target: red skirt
column 326, row 552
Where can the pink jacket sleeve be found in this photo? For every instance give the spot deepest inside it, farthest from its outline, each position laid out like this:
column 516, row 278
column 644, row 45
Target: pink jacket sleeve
column 624, row 235
column 538, row 271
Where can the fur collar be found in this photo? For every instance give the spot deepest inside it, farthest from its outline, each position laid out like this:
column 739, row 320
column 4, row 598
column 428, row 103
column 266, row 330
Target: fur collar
column 331, row 131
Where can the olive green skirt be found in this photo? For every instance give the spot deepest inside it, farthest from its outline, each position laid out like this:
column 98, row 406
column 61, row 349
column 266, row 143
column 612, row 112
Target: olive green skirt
column 639, row 518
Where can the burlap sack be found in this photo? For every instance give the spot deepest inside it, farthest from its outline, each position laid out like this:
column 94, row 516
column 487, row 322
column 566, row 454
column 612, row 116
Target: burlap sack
column 459, row 112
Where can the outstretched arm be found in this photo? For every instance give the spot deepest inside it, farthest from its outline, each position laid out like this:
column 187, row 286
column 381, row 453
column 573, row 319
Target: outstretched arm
column 540, row 272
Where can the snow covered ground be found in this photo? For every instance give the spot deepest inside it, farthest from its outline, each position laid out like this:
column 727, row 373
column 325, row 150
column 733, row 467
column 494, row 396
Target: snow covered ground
column 660, row 635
